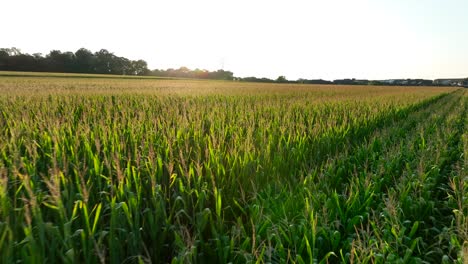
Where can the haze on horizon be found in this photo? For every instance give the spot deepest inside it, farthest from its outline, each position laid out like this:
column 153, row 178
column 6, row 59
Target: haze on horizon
column 330, row 39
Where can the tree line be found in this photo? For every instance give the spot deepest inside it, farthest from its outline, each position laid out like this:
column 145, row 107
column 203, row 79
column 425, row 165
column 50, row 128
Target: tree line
column 100, row 62
column 184, row 72
column 81, row 61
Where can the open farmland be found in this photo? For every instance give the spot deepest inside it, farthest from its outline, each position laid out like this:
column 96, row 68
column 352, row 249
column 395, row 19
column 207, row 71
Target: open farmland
column 116, row 170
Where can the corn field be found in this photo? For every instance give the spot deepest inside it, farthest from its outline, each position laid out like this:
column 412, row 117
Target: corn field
column 102, row 170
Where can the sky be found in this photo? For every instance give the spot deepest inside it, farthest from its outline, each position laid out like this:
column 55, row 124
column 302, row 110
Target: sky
column 311, row 39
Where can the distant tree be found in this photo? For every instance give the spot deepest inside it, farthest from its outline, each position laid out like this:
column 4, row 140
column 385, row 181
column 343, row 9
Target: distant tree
column 104, row 59
column 316, row 81
column 13, row 60
column 184, row 70
column 345, row 81
column 201, row 74
column 4, row 60
column 12, row 51
column 57, row 61
column 84, row 61
column 68, row 60
column 222, row 75
column 126, row 66
column 157, row 72
column 22, row 62
column 281, row 79
column 374, row 83
column 120, row 65
column 255, row 79
column 53, row 60
column 140, row 67
column 4, row 53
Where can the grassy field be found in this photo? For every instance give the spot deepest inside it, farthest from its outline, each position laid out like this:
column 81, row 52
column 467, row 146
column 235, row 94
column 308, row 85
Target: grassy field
column 109, row 170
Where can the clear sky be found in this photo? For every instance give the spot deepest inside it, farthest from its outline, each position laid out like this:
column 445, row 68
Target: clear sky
column 328, row 39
